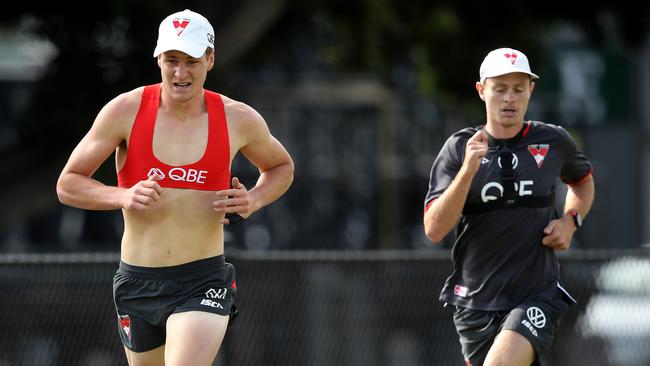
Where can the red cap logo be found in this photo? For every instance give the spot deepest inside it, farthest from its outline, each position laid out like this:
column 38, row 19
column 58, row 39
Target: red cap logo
column 512, row 56
column 180, row 24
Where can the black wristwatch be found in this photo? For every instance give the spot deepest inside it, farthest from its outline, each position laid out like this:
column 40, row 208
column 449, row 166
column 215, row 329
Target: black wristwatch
column 577, row 219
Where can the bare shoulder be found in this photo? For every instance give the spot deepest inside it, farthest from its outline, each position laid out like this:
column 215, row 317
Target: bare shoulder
column 116, row 118
column 109, row 130
column 245, row 125
column 123, row 107
column 250, row 135
column 241, row 115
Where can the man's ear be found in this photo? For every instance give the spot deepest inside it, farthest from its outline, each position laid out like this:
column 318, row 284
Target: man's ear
column 210, row 60
column 479, row 88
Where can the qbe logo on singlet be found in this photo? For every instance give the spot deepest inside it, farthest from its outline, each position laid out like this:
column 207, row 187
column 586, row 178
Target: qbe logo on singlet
column 180, row 174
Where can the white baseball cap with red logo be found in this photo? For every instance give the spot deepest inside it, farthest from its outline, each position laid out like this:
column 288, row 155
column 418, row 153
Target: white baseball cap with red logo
column 185, row 31
column 504, row 61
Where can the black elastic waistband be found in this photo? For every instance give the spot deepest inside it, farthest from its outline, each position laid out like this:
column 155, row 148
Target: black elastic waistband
column 181, row 270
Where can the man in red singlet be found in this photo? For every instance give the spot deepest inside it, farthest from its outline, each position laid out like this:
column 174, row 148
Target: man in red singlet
column 174, row 144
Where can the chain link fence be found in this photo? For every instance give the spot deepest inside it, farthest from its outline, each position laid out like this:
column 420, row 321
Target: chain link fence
column 319, row 308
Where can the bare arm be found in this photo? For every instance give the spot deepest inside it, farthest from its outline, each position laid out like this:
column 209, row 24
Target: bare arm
column 580, row 196
column 444, row 212
column 76, row 187
column 276, row 171
column 271, row 159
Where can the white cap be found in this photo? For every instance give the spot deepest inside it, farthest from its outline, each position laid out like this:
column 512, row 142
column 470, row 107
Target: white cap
column 185, row 31
column 504, row 61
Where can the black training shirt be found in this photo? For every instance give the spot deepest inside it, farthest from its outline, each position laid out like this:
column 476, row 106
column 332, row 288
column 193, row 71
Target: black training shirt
column 498, row 257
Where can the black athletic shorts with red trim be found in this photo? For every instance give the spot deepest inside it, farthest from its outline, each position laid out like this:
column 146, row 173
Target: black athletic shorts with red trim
column 536, row 319
column 146, row 296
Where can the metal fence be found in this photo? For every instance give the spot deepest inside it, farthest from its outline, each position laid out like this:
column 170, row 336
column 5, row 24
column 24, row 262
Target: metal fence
column 319, row 308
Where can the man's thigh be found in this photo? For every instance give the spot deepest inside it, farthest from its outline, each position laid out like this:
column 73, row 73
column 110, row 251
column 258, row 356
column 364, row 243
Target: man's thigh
column 194, row 337
column 476, row 331
column 154, row 357
column 510, row 348
column 538, row 322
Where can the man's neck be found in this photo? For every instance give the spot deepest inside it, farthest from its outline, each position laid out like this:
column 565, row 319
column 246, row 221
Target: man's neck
column 503, row 132
column 182, row 110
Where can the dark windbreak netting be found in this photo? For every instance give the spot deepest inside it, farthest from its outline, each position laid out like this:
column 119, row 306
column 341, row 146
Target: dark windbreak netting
column 319, row 308
column 58, row 310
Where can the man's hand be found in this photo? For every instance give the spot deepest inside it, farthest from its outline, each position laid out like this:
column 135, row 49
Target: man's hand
column 559, row 232
column 236, row 200
column 477, row 147
column 142, row 194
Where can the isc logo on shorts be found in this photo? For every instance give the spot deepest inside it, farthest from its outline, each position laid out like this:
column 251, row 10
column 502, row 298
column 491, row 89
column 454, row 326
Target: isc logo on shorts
column 211, row 303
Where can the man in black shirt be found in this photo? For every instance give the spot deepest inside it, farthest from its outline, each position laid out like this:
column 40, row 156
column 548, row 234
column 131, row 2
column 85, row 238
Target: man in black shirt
column 496, row 184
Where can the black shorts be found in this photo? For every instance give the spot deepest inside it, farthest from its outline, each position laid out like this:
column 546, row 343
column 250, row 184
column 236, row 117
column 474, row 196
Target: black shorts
column 146, row 296
column 537, row 320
